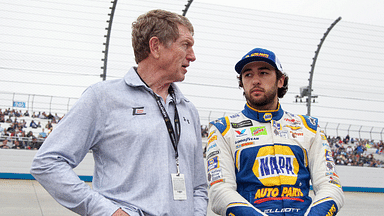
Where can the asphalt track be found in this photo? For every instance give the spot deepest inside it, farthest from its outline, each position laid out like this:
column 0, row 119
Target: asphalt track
column 29, row 198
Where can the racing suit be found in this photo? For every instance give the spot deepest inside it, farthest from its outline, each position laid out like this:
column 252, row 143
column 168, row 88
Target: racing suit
column 260, row 163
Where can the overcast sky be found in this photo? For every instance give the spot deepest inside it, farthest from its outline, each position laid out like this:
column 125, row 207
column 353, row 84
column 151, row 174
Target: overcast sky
column 54, row 47
column 367, row 11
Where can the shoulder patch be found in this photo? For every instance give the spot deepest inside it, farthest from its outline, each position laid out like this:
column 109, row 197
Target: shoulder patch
column 222, row 124
column 310, row 122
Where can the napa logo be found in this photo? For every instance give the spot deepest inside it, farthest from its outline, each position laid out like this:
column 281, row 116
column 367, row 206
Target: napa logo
column 257, row 131
column 276, row 165
column 267, row 116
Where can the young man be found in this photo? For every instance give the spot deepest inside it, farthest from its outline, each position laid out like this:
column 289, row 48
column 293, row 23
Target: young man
column 144, row 134
column 260, row 160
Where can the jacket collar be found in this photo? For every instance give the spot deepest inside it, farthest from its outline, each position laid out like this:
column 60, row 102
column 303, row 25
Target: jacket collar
column 133, row 79
column 263, row 115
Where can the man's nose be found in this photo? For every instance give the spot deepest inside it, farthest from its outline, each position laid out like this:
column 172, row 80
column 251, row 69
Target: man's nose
column 191, row 55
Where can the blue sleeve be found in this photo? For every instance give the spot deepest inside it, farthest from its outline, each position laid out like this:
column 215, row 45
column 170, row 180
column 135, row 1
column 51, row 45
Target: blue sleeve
column 328, row 208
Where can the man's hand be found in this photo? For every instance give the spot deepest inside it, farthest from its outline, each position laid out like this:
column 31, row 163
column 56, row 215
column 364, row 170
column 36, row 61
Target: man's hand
column 120, row 212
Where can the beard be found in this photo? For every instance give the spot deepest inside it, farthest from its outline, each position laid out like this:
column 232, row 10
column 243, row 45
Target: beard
column 262, row 102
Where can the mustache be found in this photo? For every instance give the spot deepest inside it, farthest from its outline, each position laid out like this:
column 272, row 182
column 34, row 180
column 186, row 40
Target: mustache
column 257, row 88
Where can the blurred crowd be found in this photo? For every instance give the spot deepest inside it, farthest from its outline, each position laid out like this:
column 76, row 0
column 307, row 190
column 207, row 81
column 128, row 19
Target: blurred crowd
column 20, row 130
column 356, row 152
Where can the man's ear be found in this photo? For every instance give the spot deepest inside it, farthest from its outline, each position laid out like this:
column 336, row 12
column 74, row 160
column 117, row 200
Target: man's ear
column 280, row 82
column 154, row 47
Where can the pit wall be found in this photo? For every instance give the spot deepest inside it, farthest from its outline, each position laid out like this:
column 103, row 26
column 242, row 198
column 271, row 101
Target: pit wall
column 15, row 164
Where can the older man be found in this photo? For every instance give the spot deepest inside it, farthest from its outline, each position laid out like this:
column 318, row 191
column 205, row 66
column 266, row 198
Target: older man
column 144, row 134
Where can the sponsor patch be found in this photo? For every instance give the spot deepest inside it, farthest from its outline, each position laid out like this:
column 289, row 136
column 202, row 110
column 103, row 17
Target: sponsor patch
column 323, row 137
column 240, row 133
column 211, row 134
column 211, row 146
column 325, row 144
column 258, row 131
column 276, row 125
column 213, row 163
column 268, row 194
column 246, row 140
column 245, row 123
column 138, row 111
column 276, row 165
column 331, row 174
column 295, row 134
column 214, row 175
column 335, row 182
column 267, row 116
column 293, row 127
column 213, row 153
column 215, row 182
column 244, row 144
column 212, row 139
column 330, row 166
column 293, row 121
column 328, row 155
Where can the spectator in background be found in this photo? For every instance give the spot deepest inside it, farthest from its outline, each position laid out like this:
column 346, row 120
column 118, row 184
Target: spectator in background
column 23, row 124
column 26, row 113
column 11, row 128
column 42, row 134
column 204, row 131
column 57, row 118
column 18, row 113
column 5, row 133
column 34, row 115
column 33, row 124
column 50, row 116
column 17, row 145
column 48, row 125
column 349, row 150
column 43, row 115
column 39, row 125
column 9, row 120
column 4, row 144
column 34, row 144
column 1, row 130
column 30, row 134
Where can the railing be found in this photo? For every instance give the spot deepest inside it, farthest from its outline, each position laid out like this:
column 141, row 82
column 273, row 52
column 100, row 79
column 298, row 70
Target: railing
column 61, row 105
column 36, row 103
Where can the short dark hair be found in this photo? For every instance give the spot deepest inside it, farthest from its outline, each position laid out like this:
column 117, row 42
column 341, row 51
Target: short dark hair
column 281, row 91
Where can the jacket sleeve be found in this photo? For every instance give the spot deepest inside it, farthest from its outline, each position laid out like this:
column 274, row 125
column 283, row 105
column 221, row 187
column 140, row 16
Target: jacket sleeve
column 200, row 195
column 63, row 150
column 329, row 196
column 221, row 174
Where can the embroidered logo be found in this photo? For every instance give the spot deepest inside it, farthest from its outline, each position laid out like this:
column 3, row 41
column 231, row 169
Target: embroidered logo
column 138, row 111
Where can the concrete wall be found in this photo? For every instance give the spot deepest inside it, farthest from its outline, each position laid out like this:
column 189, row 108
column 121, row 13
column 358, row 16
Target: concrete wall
column 15, row 164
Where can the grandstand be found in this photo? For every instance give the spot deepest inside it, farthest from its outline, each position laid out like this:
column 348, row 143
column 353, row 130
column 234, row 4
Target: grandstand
column 25, row 133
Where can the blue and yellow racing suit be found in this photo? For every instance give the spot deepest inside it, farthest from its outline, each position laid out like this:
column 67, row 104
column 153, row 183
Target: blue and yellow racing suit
column 261, row 163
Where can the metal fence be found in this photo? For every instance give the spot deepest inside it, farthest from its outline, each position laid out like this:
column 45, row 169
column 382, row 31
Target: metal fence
column 61, row 105
column 36, row 103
